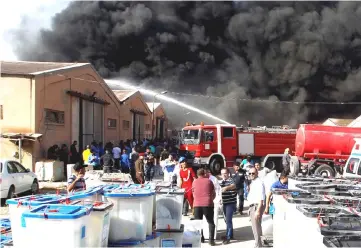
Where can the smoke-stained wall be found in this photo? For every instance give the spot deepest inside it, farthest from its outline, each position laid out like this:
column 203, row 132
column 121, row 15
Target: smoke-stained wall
column 291, row 51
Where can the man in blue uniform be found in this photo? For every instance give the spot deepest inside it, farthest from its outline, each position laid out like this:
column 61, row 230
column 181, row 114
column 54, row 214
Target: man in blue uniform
column 282, row 183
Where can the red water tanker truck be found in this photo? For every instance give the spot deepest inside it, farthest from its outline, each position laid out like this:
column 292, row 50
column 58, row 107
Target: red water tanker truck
column 321, row 150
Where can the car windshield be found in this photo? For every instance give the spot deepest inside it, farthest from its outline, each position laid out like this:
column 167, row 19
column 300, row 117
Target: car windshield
column 190, row 136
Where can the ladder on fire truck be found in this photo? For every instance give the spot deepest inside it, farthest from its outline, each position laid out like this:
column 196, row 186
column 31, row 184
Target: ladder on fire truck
column 273, row 129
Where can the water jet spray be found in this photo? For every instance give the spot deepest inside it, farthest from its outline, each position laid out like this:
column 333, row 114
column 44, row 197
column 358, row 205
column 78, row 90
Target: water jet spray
column 126, row 85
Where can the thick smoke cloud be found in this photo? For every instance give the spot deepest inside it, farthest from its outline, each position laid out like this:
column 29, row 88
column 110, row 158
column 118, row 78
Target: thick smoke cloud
column 291, row 51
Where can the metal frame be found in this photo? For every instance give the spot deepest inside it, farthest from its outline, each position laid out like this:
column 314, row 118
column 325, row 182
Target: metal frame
column 89, row 98
column 266, row 130
column 19, row 137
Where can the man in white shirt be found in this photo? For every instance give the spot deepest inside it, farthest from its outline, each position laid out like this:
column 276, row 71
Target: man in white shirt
column 262, row 171
column 256, row 198
column 217, row 200
column 116, row 155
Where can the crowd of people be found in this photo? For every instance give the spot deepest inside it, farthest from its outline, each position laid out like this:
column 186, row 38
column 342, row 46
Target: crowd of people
column 205, row 194
column 122, row 157
column 248, row 180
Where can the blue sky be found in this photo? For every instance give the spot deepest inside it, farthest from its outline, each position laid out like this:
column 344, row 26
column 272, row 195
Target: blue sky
column 38, row 15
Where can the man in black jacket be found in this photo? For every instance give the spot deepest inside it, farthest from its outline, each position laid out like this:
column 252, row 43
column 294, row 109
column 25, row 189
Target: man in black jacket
column 239, row 178
column 74, row 154
column 108, row 161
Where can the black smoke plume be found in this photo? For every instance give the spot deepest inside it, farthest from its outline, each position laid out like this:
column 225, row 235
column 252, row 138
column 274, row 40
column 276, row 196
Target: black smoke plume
column 289, row 51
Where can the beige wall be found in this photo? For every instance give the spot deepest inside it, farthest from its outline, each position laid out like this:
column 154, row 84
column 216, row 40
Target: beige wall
column 136, row 102
column 51, row 93
column 16, row 97
column 159, row 112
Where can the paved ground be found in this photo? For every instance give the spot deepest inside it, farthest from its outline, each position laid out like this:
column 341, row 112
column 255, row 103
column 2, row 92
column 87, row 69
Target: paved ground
column 242, row 232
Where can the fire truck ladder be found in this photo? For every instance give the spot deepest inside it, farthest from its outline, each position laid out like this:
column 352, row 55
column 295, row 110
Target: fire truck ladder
column 273, row 129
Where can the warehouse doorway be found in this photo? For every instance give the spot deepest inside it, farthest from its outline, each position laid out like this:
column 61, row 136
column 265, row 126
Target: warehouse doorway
column 92, row 125
column 138, row 126
column 87, row 122
column 160, row 128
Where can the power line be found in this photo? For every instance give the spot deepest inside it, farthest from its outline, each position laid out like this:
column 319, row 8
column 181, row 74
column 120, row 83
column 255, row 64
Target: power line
column 264, row 100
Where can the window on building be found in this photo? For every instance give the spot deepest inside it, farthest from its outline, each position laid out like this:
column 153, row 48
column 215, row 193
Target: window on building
column 112, row 123
column 147, row 126
column 126, row 124
column 54, row 117
column 1, row 112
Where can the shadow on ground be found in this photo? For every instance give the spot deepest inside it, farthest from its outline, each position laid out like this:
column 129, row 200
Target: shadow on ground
column 240, row 234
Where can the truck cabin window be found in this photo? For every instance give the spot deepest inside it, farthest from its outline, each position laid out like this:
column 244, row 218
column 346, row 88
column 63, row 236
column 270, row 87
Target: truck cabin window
column 351, row 166
column 227, row 132
column 190, row 137
column 208, row 136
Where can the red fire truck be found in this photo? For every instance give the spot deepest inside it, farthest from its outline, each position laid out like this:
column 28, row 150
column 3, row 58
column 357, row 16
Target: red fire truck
column 221, row 145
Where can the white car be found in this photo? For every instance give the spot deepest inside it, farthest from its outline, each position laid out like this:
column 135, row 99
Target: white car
column 16, row 179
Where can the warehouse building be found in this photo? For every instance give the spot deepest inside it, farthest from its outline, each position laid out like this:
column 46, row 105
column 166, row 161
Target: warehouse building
column 137, row 114
column 160, row 121
column 46, row 103
column 356, row 122
column 337, row 122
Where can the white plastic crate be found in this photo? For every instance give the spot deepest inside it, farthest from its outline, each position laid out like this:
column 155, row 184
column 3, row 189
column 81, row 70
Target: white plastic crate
column 169, row 205
column 89, row 195
column 50, row 170
column 19, row 205
column 56, row 225
column 130, row 216
column 100, row 224
column 171, row 238
column 150, row 203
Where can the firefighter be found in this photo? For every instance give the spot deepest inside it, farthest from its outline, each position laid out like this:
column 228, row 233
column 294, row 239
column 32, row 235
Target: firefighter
column 286, row 159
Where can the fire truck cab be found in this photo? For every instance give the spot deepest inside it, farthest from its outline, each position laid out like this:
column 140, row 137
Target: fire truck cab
column 221, row 145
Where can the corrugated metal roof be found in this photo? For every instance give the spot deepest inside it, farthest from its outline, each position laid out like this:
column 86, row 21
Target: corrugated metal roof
column 340, row 122
column 150, row 105
column 355, row 123
column 34, row 68
column 123, row 95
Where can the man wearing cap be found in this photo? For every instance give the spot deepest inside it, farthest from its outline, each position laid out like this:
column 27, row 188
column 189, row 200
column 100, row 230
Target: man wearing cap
column 76, row 182
column 286, row 159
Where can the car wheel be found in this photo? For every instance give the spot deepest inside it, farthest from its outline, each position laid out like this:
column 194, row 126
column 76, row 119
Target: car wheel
column 35, row 187
column 11, row 193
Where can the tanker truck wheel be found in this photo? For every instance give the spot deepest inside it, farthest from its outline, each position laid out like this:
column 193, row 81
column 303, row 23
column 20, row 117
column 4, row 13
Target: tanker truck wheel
column 294, row 166
column 325, row 170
